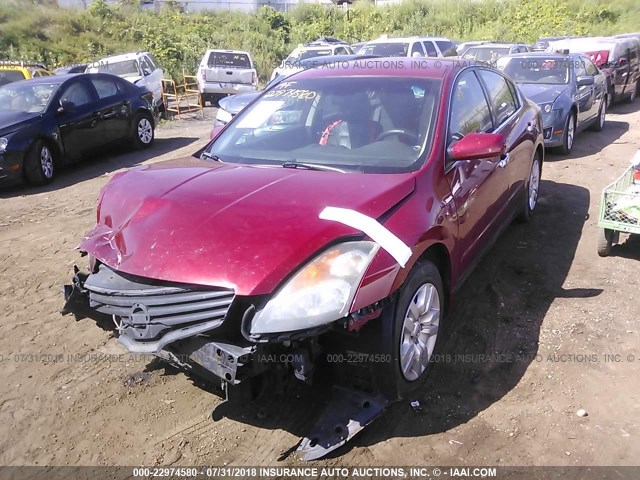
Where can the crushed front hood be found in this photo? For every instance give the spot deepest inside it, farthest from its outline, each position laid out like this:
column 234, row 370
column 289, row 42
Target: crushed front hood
column 228, row 225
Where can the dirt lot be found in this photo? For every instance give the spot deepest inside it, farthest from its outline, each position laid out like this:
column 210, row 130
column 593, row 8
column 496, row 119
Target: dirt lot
column 542, row 299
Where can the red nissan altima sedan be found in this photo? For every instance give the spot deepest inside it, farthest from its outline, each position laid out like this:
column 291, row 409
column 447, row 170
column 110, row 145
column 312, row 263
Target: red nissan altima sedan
column 327, row 224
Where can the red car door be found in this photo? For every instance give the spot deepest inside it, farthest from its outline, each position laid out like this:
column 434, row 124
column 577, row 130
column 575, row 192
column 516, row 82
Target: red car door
column 477, row 186
column 511, row 120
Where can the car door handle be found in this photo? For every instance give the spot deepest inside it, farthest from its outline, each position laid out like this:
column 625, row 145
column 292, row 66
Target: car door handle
column 504, row 160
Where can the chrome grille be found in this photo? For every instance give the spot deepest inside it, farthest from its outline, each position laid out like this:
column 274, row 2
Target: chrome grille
column 146, row 308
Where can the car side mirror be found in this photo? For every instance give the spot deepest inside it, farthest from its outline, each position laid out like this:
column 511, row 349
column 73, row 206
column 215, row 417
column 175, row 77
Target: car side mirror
column 476, row 146
column 622, row 61
column 146, row 72
column 584, row 81
column 66, row 106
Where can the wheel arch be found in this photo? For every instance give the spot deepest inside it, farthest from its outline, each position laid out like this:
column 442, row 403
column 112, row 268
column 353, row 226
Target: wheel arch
column 143, row 111
column 439, row 255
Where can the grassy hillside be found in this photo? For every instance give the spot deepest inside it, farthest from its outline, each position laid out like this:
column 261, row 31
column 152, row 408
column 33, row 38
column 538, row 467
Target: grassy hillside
column 39, row 30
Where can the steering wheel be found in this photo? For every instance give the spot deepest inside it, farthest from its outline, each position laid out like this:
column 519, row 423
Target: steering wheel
column 401, row 133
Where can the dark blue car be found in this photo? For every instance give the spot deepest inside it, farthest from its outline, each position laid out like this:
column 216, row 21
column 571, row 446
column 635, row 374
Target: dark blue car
column 569, row 89
column 48, row 122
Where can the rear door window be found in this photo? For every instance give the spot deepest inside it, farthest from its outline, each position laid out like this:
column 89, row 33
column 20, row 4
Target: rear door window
column 105, row 87
column 417, row 48
column 448, row 49
column 431, row 49
column 501, row 96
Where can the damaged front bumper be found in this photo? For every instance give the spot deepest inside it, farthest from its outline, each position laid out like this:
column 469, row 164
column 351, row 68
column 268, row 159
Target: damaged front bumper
column 195, row 328
column 204, row 331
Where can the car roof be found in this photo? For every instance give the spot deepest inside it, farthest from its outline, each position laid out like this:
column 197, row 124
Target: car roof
column 45, row 80
column 220, row 50
column 587, row 43
column 123, row 57
column 406, row 39
column 495, row 45
column 553, row 55
column 426, row 67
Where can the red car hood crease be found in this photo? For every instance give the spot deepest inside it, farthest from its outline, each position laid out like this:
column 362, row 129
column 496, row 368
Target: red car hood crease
column 228, row 225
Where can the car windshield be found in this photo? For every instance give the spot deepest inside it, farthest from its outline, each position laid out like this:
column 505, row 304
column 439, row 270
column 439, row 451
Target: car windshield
column 391, row 49
column 553, row 71
column 486, row 54
column 127, row 68
column 26, row 97
column 302, row 54
column 368, row 124
column 228, row 59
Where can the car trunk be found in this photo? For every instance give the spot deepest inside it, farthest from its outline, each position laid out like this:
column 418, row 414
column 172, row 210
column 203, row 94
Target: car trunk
column 226, row 67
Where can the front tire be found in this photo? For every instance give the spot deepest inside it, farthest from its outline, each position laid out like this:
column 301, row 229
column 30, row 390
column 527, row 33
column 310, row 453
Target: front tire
column 569, row 134
column 143, row 131
column 40, row 166
column 416, row 322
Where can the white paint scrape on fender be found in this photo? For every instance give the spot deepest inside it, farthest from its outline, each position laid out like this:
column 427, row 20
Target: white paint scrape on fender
column 374, row 229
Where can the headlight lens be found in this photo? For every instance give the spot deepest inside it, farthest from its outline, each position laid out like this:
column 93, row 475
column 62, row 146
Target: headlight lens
column 222, row 117
column 3, row 144
column 321, row 292
column 547, row 107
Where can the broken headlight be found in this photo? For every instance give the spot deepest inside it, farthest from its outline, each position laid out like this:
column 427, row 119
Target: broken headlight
column 321, row 292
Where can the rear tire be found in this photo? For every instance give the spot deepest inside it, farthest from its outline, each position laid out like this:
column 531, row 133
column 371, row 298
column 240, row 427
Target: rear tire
column 634, row 92
column 605, row 242
column 569, row 135
column 39, row 165
column 598, row 125
column 143, row 131
column 412, row 334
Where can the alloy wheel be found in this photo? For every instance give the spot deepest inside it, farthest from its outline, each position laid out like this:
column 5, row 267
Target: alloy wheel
column 570, row 132
column 145, row 131
column 419, row 331
column 534, row 184
column 46, row 162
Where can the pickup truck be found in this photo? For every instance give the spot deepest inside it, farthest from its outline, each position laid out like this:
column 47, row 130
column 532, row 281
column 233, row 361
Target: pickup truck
column 225, row 72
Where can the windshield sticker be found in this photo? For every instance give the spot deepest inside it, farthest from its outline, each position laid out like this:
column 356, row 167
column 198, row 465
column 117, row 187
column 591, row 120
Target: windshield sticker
column 259, row 114
column 292, row 93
